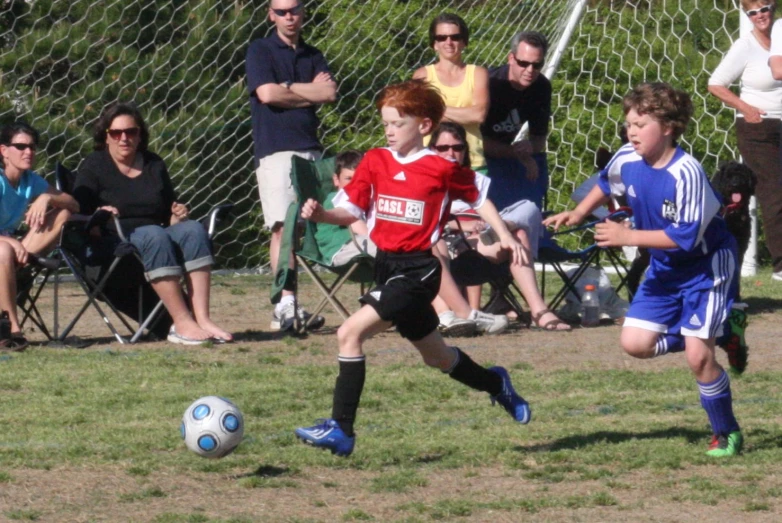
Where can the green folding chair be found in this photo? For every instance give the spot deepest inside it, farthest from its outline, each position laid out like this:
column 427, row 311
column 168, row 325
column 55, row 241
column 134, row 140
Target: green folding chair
column 313, row 179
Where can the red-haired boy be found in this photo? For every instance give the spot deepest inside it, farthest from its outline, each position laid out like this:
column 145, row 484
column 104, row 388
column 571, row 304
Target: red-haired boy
column 404, row 191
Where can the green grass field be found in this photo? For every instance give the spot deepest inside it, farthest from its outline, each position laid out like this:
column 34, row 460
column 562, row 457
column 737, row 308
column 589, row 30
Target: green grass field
column 92, row 434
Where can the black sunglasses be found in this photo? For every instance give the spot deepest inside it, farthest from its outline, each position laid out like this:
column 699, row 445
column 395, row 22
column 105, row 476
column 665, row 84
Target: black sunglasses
column 456, row 37
column 524, row 64
column 293, row 10
column 130, row 132
column 764, row 9
column 24, row 146
column 457, row 148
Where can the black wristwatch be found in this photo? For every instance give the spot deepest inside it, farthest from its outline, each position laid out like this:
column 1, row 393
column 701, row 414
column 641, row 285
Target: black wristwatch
column 287, row 84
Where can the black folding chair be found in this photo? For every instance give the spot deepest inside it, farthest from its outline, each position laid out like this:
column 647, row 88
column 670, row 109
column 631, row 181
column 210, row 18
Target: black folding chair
column 552, row 254
column 111, row 271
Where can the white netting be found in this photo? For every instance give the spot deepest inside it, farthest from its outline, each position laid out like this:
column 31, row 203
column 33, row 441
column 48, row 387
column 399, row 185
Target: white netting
column 183, row 63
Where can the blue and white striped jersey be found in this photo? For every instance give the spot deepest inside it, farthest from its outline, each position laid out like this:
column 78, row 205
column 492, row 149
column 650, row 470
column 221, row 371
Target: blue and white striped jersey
column 677, row 199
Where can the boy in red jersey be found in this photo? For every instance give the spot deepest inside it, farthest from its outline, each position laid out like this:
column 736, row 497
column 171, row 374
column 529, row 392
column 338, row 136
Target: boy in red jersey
column 404, row 191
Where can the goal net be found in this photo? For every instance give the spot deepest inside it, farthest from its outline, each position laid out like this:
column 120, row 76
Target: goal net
column 182, row 62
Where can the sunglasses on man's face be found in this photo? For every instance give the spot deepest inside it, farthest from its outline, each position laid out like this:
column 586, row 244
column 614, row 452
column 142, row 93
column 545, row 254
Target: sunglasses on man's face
column 764, row 9
column 524, row 64
column 284, row 12
column 116, row 134
column 456, row 37
column 23, row 146
column 457, row 148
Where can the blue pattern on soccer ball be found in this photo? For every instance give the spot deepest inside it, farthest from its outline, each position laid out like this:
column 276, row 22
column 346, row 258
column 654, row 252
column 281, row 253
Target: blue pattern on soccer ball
column 201, row 411
column 207, row 443
column 182, row 429
column 231, row 423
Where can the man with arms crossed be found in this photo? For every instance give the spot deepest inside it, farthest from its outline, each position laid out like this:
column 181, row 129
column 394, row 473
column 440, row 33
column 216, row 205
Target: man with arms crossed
column 287, row 80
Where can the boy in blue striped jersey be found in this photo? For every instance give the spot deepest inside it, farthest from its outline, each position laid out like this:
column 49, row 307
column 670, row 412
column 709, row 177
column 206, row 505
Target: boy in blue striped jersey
column 692, row 279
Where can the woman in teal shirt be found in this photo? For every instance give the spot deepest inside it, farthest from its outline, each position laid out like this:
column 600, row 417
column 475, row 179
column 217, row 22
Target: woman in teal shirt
column 25, row 198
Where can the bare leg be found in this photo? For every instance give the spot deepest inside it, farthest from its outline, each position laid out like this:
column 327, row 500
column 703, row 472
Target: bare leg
column 199, row 287
column 169, row 290
column 701, row 359
column 524, row 275
column 639, row 343
column 42, row 241
column 358, row 328
column 435, row 352
column 8, row 284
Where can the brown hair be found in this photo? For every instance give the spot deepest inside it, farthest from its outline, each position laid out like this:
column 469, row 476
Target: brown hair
column 449, row 18
column 662, row 102
column 417, row 98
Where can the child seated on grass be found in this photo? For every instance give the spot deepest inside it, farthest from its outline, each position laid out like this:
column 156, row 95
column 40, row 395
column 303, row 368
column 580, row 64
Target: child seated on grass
column 335, row 241
column 683, row 303
column 405, row 191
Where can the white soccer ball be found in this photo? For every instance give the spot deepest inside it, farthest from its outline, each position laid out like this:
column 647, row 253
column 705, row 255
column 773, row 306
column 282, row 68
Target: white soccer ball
column 212, row 427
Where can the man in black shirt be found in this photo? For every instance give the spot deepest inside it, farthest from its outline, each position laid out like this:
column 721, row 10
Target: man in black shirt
column 519, row 94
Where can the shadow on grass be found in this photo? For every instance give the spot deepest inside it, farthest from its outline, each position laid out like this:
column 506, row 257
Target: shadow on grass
column 264, row 471
column 586, row 440
column 762, row 304
column 762, row 439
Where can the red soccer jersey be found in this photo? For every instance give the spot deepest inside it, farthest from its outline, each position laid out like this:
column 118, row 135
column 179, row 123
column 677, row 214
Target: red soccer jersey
column 407, row 200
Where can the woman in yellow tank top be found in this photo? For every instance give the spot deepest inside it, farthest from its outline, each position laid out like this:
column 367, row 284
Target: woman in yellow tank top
column 465, row 88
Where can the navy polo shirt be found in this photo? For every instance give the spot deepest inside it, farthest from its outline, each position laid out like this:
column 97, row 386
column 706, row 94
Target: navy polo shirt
column 510, row 108
column 270, row 60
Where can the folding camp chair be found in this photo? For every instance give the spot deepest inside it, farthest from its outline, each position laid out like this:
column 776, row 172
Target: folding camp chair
column 550, row 253
column 313, row 179
column 112, row 272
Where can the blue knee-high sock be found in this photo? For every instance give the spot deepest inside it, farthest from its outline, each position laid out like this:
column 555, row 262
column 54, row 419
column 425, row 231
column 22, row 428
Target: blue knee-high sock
column 668, row 343
column 716, row 400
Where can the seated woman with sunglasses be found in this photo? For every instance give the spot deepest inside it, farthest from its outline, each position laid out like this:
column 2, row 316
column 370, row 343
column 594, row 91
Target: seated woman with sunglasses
column 465, row 88
column 522, row 218
column 123, row 177
column 48, row 210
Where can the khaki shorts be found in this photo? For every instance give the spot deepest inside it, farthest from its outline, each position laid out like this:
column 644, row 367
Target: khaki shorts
column 274, row 184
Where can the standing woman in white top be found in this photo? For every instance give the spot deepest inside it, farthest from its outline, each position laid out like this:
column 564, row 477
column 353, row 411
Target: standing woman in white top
column 464, row 87
column 759, row 115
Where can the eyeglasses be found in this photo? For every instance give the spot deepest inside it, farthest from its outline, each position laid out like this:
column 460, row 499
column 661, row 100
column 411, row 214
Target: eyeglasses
column 457, row 148
column 130, row 132
column 24, row 146
column 456, row 37
column 293, row 11
column 764, row 9
column 524, row 64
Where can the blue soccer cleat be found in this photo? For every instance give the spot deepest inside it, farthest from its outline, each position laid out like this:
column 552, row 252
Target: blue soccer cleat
column 516, row 406
column 328, row 436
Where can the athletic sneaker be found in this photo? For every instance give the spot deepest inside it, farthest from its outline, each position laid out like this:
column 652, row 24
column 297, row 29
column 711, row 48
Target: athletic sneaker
column 451, row 325
column 514, row 404
column 777, row 276
column 283, row 320
column 489, row 323
column 734, row 343
column 327, row 436
column 724, row 445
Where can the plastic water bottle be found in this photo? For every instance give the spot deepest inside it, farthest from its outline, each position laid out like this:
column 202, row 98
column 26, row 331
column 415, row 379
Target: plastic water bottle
column 590, row 307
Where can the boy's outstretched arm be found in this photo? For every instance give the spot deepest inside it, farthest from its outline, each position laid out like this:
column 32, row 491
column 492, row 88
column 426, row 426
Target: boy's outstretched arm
column 613, row 234
column 594, row 199
column 314, row 212
column 488, row 213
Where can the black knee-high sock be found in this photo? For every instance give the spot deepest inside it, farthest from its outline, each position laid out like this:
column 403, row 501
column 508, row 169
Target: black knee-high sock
column 347, row 392
column 466, row 371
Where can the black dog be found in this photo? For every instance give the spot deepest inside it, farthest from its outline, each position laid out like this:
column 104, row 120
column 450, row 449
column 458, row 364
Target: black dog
column 735, row 182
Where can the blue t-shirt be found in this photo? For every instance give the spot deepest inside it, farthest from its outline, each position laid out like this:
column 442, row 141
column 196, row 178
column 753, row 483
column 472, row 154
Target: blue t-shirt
column 270, row 60
column 677, row 199
column 14, row 201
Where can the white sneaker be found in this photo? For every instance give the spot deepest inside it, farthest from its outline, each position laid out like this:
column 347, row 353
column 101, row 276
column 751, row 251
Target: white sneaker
column 283, row 320
column 450, row 325
column 489, row 323
column 777, row 276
